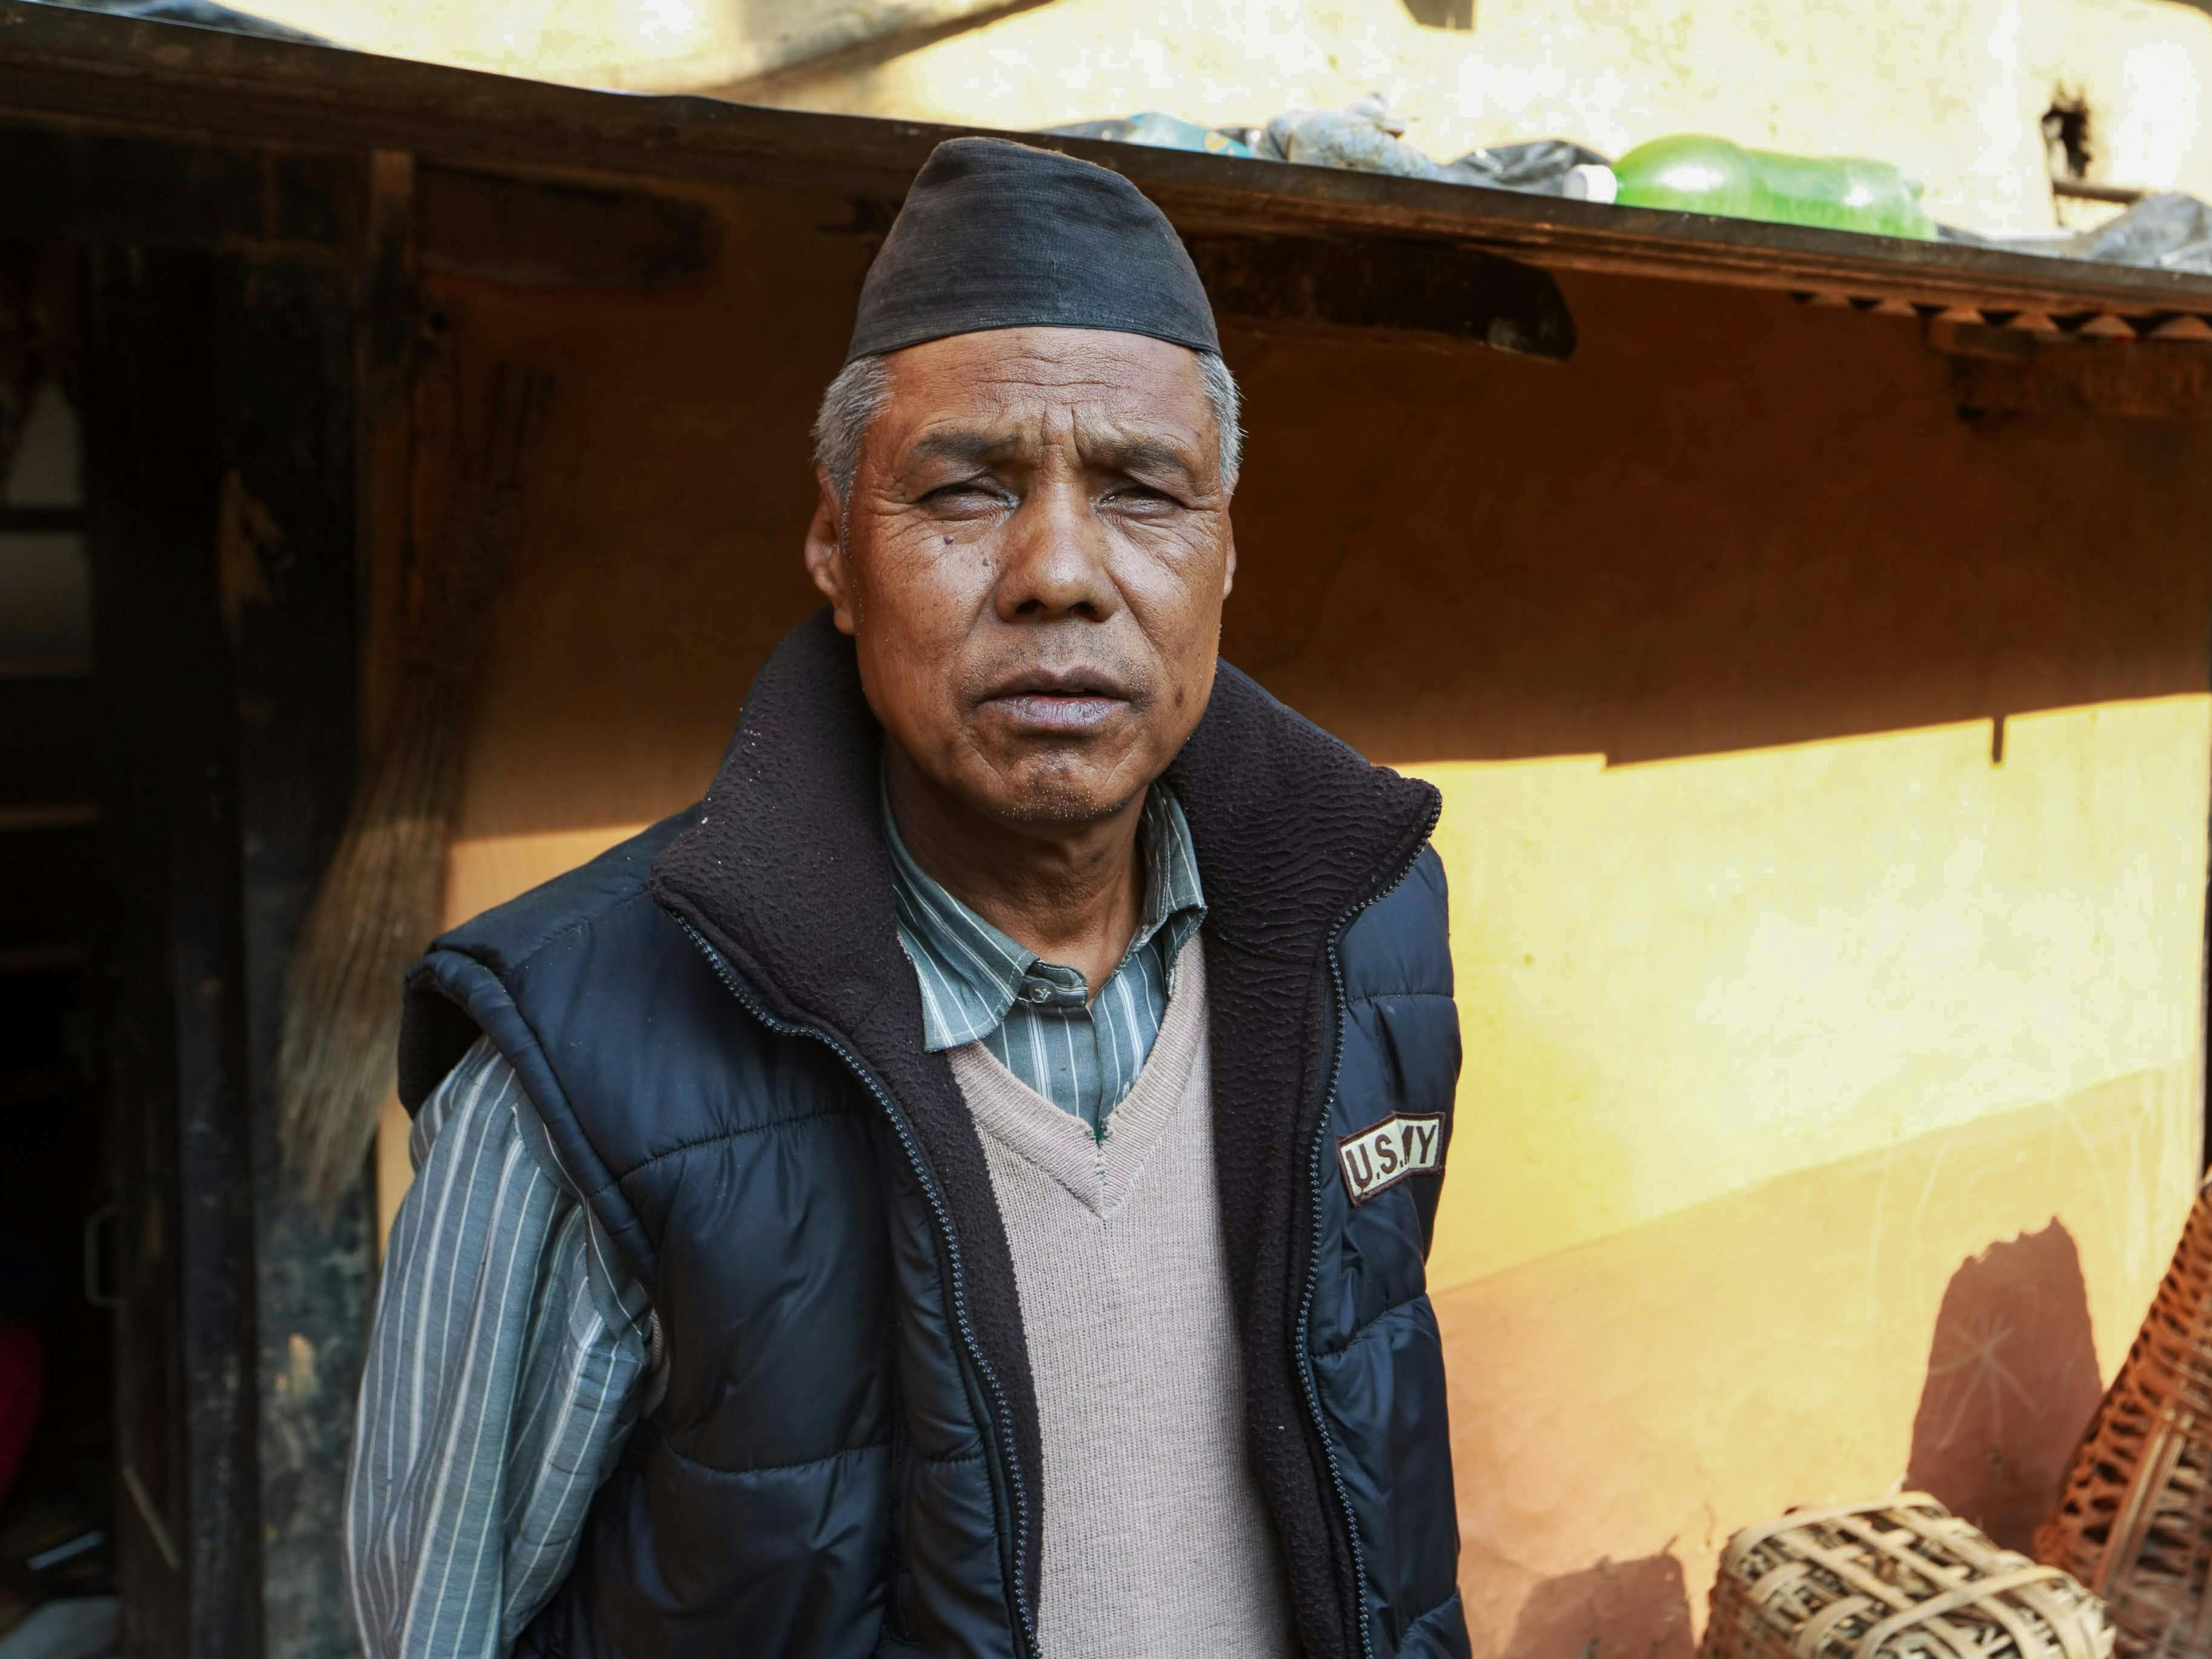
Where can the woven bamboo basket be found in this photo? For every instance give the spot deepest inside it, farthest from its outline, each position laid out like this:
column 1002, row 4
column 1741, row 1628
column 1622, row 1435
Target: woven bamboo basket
column 1903, row 1578
column 2134, row 1520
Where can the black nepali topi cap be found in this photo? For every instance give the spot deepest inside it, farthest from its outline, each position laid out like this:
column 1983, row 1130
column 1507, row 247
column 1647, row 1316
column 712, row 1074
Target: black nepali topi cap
column 997, row 234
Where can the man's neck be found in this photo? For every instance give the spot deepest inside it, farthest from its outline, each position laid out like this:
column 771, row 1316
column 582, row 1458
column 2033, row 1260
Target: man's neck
column 1075, row 893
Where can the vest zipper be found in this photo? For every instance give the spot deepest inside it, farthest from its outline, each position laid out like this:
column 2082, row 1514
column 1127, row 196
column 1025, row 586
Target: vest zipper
column 1313, row 1253
column 927, row 1182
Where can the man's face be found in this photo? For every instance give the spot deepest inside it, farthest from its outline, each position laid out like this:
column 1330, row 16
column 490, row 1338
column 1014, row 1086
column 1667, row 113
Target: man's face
column 1032, row 565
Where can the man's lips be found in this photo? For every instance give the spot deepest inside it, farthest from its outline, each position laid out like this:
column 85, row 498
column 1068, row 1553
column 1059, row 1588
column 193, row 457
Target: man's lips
column 1069, row 701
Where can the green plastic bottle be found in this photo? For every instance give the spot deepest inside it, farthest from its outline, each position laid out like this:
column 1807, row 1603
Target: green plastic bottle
column 1701, row 174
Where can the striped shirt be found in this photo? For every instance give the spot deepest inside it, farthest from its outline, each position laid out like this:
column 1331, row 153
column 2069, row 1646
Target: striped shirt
column 512, row 1354
column 978, row 986
column 510, row 1357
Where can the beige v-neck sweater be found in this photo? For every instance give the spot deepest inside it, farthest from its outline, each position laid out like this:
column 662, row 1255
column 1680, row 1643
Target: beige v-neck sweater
column 1156, row 1541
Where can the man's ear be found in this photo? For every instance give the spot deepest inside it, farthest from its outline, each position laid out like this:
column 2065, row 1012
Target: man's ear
column 1229, row 567
column 825, row 554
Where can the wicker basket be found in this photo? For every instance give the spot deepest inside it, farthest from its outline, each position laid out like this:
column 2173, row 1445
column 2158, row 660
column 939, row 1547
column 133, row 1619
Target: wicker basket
column 2134, row 1521
column 1903, row 1578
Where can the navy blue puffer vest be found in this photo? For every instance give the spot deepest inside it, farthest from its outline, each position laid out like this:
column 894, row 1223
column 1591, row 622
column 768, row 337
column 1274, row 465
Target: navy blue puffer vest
column 719, row 1028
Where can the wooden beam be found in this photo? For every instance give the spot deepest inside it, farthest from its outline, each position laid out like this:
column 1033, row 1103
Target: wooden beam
column 282, row 405
column 546, row 234
column 387, row 324
column 2007, row 371
column 188, row 1503
column 221, row 432
column 1422, row 293
column 799, row 36
column 2083, row 189
column 129, row 76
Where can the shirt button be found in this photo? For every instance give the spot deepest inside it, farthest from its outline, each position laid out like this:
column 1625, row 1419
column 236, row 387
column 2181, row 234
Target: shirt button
column 1038, row 994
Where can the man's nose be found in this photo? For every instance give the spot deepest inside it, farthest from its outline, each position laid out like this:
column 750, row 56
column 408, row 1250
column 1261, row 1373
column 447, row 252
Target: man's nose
column 1055, row 560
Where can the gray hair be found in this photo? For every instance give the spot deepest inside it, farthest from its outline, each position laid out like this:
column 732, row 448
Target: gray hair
column 857, row 396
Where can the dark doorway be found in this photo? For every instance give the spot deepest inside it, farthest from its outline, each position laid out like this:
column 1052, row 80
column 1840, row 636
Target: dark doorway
column 179, row 1328
column 57, row 1330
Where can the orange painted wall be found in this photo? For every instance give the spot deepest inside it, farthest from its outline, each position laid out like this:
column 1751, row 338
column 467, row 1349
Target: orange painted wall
column 1827, row 787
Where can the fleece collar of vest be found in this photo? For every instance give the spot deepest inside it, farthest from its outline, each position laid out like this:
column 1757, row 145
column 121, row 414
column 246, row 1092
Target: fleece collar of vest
column 784, row 868
column 784, row 871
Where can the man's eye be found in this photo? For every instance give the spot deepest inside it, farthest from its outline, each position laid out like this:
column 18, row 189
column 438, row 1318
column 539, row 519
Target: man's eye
column 968, row 493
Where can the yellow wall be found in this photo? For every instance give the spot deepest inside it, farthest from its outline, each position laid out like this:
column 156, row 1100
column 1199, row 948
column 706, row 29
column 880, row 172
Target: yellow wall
column 1953, row 93
column 1806, row 955
column 1827, row 787
column 1828, row 1113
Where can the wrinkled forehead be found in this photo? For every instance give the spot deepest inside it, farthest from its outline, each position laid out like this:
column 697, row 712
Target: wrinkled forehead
column 1033, row 386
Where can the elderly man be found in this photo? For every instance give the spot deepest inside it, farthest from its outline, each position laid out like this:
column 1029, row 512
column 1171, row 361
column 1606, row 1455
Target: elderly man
column 962, row 1188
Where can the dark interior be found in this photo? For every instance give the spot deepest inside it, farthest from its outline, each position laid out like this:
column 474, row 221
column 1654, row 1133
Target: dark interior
column 56, row 1233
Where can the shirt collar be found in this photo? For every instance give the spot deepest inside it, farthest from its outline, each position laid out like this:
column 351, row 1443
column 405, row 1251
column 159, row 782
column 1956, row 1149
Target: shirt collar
column 972, row 973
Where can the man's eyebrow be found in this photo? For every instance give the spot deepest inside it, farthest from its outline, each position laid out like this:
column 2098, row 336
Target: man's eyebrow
column 1128, row 453
column 1136, row 454
column 961, row 446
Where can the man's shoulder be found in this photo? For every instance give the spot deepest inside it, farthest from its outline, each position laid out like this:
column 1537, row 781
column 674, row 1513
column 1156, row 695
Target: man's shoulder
column 1400, row 944
column 607, row 889
column 595, row 927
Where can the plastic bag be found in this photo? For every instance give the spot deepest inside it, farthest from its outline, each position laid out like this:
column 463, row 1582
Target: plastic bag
column 1161, row 132
column 2169, row 231
column 1540, row 167
column 1173, row 133
column 1362, row 138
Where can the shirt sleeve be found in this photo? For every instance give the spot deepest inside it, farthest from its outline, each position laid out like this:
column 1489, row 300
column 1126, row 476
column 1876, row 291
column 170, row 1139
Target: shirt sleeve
column 507, row 1363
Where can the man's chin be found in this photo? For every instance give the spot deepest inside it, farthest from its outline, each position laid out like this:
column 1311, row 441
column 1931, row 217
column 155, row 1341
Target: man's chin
column 1064, row 797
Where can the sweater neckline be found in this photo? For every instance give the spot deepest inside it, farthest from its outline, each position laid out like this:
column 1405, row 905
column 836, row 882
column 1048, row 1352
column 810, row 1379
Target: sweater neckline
column 1099, row 1173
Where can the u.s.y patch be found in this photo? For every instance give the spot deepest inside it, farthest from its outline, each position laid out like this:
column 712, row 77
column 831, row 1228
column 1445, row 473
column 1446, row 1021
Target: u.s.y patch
column 1384, row 1154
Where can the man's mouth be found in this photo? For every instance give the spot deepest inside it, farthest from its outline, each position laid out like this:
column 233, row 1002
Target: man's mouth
column 1058, row 700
